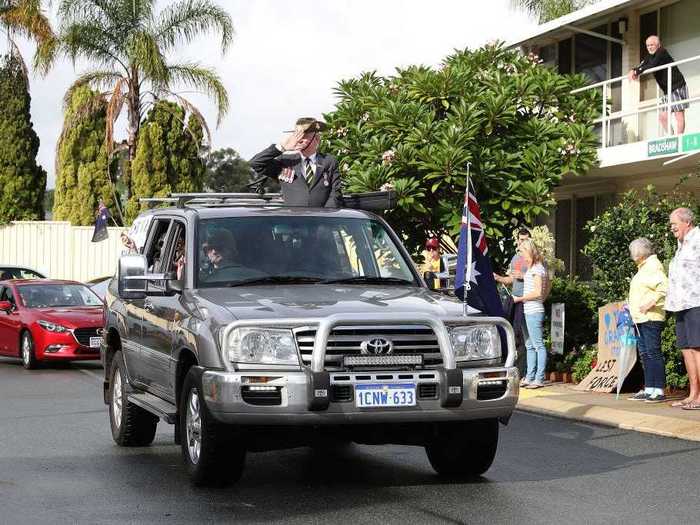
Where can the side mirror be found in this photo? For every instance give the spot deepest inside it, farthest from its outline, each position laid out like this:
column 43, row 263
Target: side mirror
column 431, row 279
column 5, row 306
column 131, row 273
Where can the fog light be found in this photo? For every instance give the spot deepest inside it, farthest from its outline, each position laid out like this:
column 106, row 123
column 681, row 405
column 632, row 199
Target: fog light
column 52, row 349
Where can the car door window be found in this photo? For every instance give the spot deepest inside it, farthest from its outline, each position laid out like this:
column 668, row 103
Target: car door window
column 155, row 245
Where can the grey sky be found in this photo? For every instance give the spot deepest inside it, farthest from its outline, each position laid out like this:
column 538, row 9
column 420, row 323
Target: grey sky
column 287, row 57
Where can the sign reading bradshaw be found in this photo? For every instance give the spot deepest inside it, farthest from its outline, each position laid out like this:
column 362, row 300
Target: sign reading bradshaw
column 604, row 377
column 662, row 147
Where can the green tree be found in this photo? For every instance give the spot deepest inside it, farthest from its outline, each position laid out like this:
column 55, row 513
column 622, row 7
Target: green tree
column 81, row 164
column 128, row 43
column 22, row 180
column 167, row 157
column 227, row 172
column 27, row 19
column 546, row 10
column 513, row 122
column 638, row 214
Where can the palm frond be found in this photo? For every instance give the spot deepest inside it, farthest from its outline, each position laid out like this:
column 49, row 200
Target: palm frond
column 206, row 80
column 144, row 53
column 26, row 18
column 114, row 109
column 189, row 107
column 90, row 41
column 99, row 80
column 187, row 19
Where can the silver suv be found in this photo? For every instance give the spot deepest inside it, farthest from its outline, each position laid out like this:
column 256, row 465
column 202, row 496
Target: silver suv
column 252, row 326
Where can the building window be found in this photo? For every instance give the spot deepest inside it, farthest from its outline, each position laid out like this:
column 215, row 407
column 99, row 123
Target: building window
column 569, row 221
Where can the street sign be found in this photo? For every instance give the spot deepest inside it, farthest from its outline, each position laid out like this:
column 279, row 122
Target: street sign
column 691, row 142
column 557, row 330
column 662, row 147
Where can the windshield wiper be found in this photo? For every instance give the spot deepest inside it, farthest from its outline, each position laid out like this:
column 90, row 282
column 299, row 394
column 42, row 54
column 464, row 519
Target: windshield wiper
column 368, row 280
column 275, row 279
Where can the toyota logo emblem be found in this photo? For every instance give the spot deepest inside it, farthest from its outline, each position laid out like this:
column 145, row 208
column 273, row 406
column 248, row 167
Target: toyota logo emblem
column 377, row 346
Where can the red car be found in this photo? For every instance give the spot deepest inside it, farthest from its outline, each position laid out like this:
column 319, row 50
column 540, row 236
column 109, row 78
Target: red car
column 49, row 320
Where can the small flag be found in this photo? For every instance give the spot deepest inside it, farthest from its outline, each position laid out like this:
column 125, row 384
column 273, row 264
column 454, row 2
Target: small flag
column 101, row 218
column 482, row 293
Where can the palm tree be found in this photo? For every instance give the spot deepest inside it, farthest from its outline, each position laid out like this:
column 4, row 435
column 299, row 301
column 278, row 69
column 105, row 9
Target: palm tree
column 127, row 41
column 546, row 10
column 26, row 18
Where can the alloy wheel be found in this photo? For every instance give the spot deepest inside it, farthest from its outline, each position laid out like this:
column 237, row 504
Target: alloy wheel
column 194, row 426
column 26, row 350
column 117, row 399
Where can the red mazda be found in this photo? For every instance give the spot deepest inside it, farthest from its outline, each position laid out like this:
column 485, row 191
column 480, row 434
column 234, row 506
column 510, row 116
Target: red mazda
column 49, row 320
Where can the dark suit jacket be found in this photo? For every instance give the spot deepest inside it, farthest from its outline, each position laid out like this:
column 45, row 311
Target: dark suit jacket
column 324, row 192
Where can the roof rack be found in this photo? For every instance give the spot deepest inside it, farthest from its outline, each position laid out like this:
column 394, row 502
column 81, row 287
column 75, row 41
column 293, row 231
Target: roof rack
column 213, row 199
column 375, row 200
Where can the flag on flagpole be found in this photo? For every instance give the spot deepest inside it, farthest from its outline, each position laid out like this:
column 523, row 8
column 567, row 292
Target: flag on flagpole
column 473, row 261
column 101, row 217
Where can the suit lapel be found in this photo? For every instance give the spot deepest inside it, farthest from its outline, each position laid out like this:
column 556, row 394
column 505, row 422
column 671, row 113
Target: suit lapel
column 320, row 167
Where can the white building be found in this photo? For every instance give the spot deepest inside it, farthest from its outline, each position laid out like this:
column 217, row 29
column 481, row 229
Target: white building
column 604, row 41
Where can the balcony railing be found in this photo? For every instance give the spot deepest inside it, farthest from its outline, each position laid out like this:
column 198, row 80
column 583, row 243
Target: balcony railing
column 621, row 122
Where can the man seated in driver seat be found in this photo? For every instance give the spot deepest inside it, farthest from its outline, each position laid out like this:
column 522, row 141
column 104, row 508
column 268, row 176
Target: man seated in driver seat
column 220, row 249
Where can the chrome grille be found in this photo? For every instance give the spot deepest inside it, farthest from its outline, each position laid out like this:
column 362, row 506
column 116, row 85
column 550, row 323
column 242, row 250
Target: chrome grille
column 346, row 340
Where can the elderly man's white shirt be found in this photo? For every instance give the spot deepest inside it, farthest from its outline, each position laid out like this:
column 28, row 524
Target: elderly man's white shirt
column 684, row 274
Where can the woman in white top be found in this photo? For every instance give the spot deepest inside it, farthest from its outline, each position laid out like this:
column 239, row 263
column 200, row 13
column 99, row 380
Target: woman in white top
column 533, row 307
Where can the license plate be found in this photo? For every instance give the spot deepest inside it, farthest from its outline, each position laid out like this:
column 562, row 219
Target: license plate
column 95, row 342
column 385, row 395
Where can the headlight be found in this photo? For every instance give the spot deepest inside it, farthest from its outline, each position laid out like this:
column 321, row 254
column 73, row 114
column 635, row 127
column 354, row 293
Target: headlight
column 475, row 342
column 262, row 345
column 52, row 327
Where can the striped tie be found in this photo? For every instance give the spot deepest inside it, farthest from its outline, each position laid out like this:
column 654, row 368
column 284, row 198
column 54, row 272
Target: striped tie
column 309, row 172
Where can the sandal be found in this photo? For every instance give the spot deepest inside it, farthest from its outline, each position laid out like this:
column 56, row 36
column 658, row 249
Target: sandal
column 682, row 403
column 692, row 406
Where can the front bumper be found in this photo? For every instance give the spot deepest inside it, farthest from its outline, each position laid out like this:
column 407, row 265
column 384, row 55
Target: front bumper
column 225, row 395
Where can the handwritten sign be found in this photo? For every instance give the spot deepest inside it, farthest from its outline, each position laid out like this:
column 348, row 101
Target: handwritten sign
column 557, row 328
column 604, row 377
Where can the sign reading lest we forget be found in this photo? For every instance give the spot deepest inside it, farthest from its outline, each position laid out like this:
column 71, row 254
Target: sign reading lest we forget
column 605, row 375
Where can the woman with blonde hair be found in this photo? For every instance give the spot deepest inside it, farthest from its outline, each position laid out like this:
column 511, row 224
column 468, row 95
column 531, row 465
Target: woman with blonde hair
column 534, row 293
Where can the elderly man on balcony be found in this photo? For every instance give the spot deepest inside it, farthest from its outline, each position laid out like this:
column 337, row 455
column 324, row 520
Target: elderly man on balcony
column 658, row 56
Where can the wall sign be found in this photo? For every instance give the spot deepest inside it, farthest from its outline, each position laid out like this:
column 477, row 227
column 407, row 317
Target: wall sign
column 557, row 329
column 662, row 147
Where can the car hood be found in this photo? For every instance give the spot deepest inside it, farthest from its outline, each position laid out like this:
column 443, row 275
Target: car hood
column 72, row 317
column 294, row 301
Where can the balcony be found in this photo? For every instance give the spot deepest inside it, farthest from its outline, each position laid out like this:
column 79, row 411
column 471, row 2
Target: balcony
column 630, row 127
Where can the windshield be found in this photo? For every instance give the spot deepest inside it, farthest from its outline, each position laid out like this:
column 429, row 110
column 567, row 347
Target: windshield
column 55, row 295
column 278, row 249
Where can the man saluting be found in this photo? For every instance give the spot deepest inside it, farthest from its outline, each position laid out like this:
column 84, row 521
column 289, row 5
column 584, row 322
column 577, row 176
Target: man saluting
column 307, row 177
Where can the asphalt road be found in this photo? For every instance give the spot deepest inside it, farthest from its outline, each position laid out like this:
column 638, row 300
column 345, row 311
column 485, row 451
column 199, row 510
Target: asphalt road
column 58, row 464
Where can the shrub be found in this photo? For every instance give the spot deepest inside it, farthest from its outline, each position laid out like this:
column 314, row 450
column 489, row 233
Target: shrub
column 581, row 321
column 584, row 363
column 638, row 214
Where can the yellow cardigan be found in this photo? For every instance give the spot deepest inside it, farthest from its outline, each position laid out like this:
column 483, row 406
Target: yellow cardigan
column 648, row 284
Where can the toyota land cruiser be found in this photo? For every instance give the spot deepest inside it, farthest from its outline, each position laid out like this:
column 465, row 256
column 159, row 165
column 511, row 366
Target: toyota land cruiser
column 253, row 326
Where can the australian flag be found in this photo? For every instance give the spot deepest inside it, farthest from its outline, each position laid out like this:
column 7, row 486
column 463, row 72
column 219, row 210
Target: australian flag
column 482, row 293
column 101, row 218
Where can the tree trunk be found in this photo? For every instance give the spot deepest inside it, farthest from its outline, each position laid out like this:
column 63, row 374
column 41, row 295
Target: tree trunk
column 133, row 124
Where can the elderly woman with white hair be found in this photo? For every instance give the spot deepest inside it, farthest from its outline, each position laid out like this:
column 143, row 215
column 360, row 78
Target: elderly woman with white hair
column 646, row 303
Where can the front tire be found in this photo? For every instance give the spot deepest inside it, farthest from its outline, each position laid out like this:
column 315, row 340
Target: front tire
column 29, row 360
column 212, row 452
column 463, row 449
column 132, row 426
